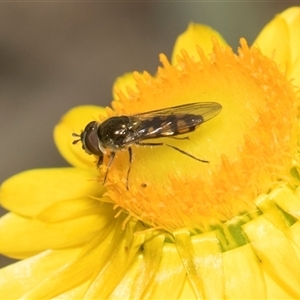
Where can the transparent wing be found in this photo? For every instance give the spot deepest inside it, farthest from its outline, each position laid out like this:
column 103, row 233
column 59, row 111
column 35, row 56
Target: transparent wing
column 207, row 110
column 173, row 121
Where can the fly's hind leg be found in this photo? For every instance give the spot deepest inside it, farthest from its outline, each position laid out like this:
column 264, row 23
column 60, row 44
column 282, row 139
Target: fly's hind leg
column 175, row 148
column 179, row 137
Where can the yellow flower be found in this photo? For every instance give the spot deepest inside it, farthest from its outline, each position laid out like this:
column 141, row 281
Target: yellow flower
column 183, row 228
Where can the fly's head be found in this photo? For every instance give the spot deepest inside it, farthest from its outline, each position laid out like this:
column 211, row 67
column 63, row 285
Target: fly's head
column 89, row 138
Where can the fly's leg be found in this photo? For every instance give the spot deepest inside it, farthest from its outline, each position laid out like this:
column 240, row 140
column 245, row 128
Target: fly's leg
column 175, row 148
column 179, row 138
column 128, row 171
column 100, row 161
column 112, row 156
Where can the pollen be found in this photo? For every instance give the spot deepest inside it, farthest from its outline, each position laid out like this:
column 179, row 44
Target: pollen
column 250, row 145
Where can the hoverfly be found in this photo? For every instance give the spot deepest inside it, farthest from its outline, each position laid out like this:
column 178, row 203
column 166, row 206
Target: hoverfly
column 120, row 132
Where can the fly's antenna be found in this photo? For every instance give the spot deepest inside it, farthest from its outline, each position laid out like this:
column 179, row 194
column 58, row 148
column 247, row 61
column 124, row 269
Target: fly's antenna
column 76, row 135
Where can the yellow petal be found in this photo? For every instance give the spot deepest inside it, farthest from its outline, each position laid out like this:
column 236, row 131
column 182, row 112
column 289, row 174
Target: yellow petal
column 75, row 121
column 147, row 269
column 21, row 237
column 287, row 200
column 276, row 253
column 275, row 290
column 243, row 275
column 187, row 253
column 171, row 274
column 37, row 189
column 294, row 72
column 90, row 261
column 274, row 41
column 292, row 18
column 73, row 208
column 209, row 264
column 295, row 229
column 196, row 34
column 75, row 293
column 119, row 258
column 141, row 272
column 280, row 40
column 17, row 279
column 127, row 284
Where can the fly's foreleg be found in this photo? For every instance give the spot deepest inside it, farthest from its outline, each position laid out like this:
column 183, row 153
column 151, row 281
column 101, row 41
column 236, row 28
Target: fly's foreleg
column 112, row 156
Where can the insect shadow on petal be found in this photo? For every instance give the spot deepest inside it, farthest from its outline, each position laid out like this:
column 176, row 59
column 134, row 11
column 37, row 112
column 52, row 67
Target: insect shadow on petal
column 120, row 132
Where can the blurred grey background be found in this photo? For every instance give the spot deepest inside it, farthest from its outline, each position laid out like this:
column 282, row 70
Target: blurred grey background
column 56, row 55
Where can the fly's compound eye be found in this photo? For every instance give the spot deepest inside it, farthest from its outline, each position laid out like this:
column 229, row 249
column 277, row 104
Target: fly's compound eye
column 89, row 139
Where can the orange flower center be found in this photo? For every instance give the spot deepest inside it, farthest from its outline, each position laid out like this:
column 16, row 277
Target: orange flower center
column 249, row 145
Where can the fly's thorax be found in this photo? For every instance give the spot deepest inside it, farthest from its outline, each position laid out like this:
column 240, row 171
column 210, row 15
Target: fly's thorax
column 112, row 133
